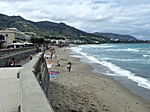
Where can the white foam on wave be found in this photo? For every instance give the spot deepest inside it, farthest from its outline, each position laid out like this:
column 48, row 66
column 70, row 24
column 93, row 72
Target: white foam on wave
column 98, row 46
column 124, row 73
column 76, row 49
column 106, row 45
column 142, row 82
column 146, row 55
column 126, row 60
column 128, row 49
column 134, row 50
column 76, row 56
column 140, row 61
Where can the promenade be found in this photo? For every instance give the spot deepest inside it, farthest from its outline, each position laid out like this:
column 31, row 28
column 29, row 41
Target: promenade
column 25, row 92
column 9, row 89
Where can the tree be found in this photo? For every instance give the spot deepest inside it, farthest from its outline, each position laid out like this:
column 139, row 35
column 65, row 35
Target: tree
column 37, row 40
column 41, row 40
column 33, row 40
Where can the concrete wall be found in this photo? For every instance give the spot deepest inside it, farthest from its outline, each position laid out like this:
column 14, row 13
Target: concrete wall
column 18, row 55
column 34, row 77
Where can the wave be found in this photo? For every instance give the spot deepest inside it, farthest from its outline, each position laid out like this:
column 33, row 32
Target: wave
column 76, row 56
column 125, row 73
column 142, row 82
column 106, row 46
column 98, row 46
column 128, row 49
column 76, row 49
column 140, row 61
column 126, row 60
column 146, row 55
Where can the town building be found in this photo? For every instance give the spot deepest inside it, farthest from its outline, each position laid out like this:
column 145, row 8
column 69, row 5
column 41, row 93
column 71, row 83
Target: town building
column 12, row 35
column 58, row 41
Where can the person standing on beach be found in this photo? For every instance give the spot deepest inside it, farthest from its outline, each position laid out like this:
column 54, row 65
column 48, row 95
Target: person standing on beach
column 58, row 63
column 69, row 66
column 52, row 52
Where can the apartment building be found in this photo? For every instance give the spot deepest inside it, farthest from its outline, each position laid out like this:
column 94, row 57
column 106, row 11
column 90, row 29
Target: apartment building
column 12, row 35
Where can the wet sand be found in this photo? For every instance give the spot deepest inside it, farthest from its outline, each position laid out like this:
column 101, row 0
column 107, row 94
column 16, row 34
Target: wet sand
column 81, row 90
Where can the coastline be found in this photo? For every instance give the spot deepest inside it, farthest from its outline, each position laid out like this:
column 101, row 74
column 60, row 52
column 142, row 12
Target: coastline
column 129, row 84
column 82, row 90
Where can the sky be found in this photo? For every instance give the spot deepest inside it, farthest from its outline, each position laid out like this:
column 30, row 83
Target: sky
column 129, row 17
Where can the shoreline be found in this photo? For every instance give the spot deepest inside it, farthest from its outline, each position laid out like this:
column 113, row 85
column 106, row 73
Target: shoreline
column 125, row 82
column 82, row 90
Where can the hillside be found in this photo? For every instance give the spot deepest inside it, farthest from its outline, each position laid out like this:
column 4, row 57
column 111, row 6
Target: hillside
column 48, row 29
column 117, row 37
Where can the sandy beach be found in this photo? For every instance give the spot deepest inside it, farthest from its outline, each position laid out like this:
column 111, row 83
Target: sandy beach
column 81, row 90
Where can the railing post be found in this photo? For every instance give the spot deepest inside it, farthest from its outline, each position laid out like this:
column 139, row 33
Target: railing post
column 19, row 108
column 18, row 75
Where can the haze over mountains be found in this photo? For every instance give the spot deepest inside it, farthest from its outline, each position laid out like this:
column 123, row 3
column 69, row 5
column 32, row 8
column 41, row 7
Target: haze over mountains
column 116, row 36
column 56, row 30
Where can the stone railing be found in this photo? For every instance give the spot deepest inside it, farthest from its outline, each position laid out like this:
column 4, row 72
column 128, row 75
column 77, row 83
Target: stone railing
column 34, row 86
column 18, row 54
column 7, row 52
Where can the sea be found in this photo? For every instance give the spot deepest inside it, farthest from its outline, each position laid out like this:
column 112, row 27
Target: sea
column 127, row 63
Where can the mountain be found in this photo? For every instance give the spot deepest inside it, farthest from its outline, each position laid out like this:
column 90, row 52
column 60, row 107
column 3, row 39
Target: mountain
column 51, row 30
column 48, row 29
column 117, row 37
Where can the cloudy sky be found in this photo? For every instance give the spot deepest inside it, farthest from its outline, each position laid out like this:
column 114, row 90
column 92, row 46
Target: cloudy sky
column 114, row 16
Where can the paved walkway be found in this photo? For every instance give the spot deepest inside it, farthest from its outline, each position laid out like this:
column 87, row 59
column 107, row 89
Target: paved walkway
column 9, row 89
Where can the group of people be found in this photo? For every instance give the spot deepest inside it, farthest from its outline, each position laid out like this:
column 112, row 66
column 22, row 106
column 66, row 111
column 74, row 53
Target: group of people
column 68, row 65
column 12, row 63
column 53, row 53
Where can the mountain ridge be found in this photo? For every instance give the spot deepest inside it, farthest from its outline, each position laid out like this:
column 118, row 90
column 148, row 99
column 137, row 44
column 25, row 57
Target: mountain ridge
column 114, row 36
column 51, row 29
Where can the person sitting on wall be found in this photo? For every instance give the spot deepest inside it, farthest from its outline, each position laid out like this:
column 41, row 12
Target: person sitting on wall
column 13, row 63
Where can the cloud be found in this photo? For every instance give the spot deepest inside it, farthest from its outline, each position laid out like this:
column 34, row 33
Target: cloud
column 116, row 16
column 14, row 1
